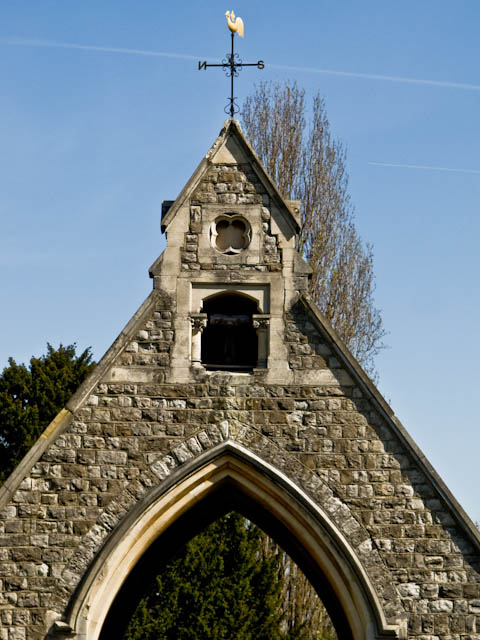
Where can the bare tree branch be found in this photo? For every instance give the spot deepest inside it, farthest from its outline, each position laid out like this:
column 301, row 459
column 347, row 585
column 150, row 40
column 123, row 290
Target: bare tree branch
column 308, row 164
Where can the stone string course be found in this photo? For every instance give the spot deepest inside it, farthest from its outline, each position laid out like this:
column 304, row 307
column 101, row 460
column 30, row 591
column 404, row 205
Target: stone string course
column 127, row 438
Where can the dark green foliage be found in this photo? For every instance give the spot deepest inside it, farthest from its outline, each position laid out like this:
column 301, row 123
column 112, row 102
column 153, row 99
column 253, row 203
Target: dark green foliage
column 220, row 585
column 30, row 397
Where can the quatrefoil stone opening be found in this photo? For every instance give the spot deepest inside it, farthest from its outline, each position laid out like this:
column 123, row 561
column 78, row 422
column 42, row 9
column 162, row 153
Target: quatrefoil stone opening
column 230, row 235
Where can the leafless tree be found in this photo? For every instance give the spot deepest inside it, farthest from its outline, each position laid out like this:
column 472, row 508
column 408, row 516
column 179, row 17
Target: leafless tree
column 308, row 164
column 304, row 615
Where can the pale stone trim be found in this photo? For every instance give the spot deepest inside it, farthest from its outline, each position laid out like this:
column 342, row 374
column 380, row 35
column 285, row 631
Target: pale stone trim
column 231, row 127
column 259, row 292
column 58, row 425
column 261, row 324
column 63, row 419
column 198, row 323
column 275, row 492
column 370, row 391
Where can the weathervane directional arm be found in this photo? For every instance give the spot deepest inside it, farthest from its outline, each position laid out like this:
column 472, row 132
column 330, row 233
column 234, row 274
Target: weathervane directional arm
column 232, row 64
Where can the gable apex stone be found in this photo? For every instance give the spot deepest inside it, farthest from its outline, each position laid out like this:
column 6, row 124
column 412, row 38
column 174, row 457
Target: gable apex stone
column 230, row 148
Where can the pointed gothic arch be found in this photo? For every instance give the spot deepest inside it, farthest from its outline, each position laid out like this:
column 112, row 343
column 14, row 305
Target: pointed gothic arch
column 259, row 490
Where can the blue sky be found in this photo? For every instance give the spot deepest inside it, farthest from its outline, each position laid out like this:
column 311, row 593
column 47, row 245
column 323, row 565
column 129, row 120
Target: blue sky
column 97, row 129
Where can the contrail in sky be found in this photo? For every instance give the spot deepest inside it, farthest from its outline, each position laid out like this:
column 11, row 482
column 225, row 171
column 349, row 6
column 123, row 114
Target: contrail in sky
column 375, row 76
column 424, row 166
column 22, row 42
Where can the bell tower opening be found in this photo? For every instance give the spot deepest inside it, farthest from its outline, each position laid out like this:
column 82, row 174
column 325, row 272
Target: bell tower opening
column 229, row 341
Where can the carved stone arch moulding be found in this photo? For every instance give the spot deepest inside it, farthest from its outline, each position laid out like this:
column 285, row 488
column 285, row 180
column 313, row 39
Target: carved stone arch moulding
column 203, row 292
column 334, row 541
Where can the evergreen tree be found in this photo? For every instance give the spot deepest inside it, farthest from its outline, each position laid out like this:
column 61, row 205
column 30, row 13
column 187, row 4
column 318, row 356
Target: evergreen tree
column 30, row 397
column 221, row 585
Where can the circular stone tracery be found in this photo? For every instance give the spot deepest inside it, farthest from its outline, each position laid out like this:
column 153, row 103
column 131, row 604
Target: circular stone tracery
column 230, row 235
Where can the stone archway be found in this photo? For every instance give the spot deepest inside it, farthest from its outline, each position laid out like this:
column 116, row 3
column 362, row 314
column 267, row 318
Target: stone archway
column 287, row 509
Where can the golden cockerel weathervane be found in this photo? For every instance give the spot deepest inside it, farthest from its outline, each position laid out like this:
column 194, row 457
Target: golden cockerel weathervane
column 231, row 64
column 234, row 24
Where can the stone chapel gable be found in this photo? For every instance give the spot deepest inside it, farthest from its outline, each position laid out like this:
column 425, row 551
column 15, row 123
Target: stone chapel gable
column 228, row 389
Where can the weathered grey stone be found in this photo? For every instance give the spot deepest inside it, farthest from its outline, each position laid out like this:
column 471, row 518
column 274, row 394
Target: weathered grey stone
column 308, row 412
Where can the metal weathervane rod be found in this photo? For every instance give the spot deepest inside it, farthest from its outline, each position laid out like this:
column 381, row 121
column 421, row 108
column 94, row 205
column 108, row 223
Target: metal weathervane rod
column 232, row 64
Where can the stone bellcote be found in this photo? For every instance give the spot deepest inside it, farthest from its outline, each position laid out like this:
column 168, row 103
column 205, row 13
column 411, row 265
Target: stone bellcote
column 231, row 265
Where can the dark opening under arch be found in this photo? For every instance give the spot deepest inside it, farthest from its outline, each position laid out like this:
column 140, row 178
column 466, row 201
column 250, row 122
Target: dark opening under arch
column 225, row 498
column 229, row 341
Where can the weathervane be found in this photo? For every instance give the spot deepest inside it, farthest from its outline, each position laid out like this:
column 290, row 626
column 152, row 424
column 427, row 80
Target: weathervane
column 231, row 64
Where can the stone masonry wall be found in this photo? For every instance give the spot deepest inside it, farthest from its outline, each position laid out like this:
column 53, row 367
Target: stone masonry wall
column 230, row 185
column 153, row 344
column 306, row 347
column 125, row 437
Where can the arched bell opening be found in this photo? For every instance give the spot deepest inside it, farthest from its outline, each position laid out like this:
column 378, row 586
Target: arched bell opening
column 229, row 340
column 225, row 478
column 225, row 498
